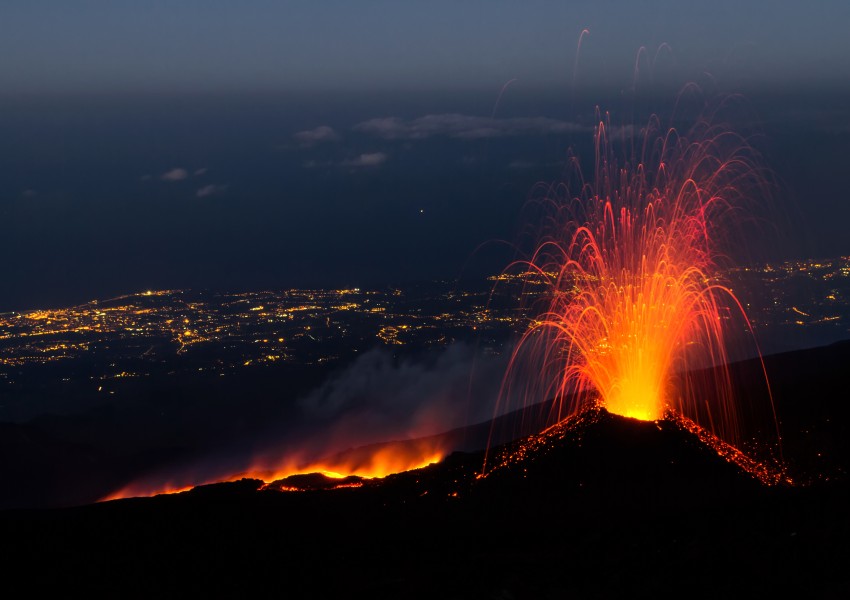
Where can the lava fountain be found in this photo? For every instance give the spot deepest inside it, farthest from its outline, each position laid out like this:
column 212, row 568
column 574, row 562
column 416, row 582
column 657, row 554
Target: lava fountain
column 636, row 316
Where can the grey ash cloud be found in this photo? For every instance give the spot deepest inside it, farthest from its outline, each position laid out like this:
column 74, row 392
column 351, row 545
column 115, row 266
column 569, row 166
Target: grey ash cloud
column 379, row 396
column 464, row 127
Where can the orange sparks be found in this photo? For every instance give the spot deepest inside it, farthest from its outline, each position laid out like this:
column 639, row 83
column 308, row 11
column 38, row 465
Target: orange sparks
column 634, row 307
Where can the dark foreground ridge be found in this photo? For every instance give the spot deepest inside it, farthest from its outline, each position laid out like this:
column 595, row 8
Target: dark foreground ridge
column 596, row 507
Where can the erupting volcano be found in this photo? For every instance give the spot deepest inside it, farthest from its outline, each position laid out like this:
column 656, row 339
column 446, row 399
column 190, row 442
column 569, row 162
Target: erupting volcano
column 636, row 316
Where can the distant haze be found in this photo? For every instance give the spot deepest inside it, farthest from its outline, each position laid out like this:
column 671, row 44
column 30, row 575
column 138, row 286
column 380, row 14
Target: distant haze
column 121, row 45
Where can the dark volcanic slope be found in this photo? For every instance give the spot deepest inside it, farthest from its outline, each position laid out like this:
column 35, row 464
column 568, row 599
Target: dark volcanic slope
column 603, row 506
column 599, row 459
column 62, row 461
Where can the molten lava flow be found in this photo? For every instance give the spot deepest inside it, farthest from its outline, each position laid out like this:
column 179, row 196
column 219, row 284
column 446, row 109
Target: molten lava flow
column 368, row 462
column 634, row 302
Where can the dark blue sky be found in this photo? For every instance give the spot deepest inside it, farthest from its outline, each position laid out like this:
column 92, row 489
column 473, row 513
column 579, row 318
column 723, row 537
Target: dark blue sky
column 272, row 144
column 159, row 45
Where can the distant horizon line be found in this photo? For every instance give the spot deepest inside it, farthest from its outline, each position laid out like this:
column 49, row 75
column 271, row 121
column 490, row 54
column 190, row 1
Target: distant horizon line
column 528, row 86
column 358, row 287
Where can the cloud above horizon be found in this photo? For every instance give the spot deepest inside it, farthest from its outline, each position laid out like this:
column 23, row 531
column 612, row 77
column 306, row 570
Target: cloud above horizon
column 372, row 159
column 175, row 174
column 464, row 127
column 311, row 137
column 210, row 190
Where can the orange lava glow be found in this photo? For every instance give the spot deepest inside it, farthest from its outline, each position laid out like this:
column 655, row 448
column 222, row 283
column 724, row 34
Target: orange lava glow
column 634, row 302
column 368, row 462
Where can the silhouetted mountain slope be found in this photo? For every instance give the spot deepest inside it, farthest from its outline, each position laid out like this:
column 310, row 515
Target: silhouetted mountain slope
column 56, row 461
column 599, row 506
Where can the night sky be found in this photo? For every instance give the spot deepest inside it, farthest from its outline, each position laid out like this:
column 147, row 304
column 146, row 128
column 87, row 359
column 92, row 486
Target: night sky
column 212, row 144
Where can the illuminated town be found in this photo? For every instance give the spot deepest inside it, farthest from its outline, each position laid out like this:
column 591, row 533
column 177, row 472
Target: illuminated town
column 167, row 332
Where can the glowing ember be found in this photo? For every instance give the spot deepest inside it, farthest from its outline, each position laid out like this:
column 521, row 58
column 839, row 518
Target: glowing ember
column 635, row 305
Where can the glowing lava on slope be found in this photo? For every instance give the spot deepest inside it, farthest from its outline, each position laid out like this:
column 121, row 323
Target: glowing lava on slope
column 367, row 462
column 636, row 315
